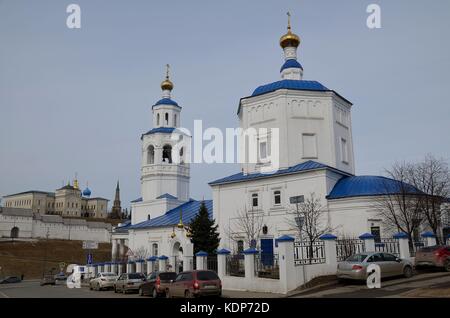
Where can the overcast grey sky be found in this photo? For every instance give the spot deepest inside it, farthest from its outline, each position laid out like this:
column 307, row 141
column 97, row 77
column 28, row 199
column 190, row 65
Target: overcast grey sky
column 78, row 100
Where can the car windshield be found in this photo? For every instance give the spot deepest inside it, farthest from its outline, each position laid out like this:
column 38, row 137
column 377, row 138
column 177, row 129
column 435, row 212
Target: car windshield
column 108, row 274
column 207, row 275
column 135, row 276
column 430, row 248
column 356, row 258
column 167, row 276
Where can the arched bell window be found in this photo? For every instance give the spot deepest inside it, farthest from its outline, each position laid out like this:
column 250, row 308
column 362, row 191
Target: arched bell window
column 167, row 154
column 150, row 155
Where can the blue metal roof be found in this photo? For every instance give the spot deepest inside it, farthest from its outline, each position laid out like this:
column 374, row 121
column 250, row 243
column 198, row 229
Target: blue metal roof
column 357, row 186
column 164, row 130
column 167, row 196
column 290, row 84
column 291, row 63
column 166, row 101
column 305, row 166
column 172, row 217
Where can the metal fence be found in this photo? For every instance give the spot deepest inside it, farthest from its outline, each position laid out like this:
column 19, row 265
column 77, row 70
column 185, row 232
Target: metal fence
column 388, row 245
column 267, row 266
column 417, row 244
column 235, row 265
column 309, row 252
column 211, row 263
column 347, row 247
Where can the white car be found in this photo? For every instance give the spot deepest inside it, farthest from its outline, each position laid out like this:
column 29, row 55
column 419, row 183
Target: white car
column 103, row 280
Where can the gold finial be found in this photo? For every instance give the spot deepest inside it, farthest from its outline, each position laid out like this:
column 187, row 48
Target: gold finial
column 289, row 39
column 167, row 84
column 180, row 224
column 173, row 233
column 75, row 182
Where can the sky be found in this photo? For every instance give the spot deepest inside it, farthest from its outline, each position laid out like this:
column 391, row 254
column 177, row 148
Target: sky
column 78, row 100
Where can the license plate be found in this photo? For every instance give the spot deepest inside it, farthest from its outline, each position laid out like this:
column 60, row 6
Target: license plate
column 210, row 286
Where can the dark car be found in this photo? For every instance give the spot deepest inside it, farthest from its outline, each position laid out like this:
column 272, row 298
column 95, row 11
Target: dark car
column 195, row 283
column 157, row 284
column 436, row 256
column 48, row 279
column 129, row 282
column 10, row 280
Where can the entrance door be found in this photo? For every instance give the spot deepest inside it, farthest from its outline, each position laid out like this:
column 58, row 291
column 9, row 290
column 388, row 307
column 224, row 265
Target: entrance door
column 267, row 252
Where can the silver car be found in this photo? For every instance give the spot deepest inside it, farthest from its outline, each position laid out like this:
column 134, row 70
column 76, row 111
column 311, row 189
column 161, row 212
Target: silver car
column 355, row 267
column 103, row 280
column 129, row 282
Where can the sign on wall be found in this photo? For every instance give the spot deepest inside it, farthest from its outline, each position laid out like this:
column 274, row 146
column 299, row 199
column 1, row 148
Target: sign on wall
column 90, row 245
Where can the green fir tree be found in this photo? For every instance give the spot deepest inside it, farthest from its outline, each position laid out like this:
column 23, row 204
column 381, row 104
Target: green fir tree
column 204, row 233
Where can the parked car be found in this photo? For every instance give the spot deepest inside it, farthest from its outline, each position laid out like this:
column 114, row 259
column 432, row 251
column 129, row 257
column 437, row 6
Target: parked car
column 60, row 277
column 157, row 284
column 10, row 280
column 355, row 266
column 103, row 280
column 195, row 283
column 436, row 256
column 128, row 282
column 48, row 279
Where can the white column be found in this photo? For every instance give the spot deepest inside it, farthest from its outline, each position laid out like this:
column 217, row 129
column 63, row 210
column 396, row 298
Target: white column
column 129, row 269
column 119, row 269
column 114, row 268
column 286, row 263
column 138, row 266
column 249, row 264
column 403, row 245
column 222, row 262
column 430, row 238
column 121, row 248
column 330, row 250
column 114, row 250
column 163, row 263
column 201, row 260
column 369, row 242
column 188, row 256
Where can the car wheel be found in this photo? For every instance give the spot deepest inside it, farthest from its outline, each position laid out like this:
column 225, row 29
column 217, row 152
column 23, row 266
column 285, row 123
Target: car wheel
column 141, row 292
column 124, row 291
column 447, row 265
column 154, row 293
column 168, row 295
column 407, row 271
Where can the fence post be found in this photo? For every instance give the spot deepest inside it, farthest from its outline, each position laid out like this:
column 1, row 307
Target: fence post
column 249, row 264
column 286, row 262
column 163, row 263
column 430, row 238
column 329, row 240
column 188, row 257
column 222, row 262
column 201, row 260
column 369, row 242
column 151, row 264
column 139, row 266
column 403, row 245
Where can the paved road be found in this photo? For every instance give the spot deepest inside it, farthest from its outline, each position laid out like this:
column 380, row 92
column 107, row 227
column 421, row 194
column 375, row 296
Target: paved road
column 417, row 286
column 31, row 289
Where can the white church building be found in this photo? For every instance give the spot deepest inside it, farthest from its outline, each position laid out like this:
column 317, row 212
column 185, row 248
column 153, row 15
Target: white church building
column 316, row 156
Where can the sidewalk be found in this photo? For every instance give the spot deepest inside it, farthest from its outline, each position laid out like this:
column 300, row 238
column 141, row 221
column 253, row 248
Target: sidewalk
column 249, row 294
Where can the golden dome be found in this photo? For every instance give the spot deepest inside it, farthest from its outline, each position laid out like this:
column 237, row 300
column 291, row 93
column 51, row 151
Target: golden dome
column 167, row 84
column 289, row 39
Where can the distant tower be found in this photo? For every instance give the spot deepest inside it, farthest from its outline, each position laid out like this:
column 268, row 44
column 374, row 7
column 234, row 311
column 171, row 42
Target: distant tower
column 116, row 211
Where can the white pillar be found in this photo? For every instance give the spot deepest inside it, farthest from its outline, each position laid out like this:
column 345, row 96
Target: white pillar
column 369, row 242
column 188, row 256
column 286, row 263
column 129, row 267
column 330, row 250
column 163, row 263
column 107, row 267
column 201, row 260
column 249, row 264
column 121, row 248
column 222, row 262
column 119, row 269
column 114, row 250
column 139, row 266
column 114, row 267
column 430, row 238
column 403, row 245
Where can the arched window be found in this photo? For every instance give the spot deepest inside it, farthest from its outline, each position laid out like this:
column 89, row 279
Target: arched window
column 15, row 232
column 181, row 155
column 167, row 154
column 150, row 155
column 167, row 119
column 155, row 249
column 157, row 119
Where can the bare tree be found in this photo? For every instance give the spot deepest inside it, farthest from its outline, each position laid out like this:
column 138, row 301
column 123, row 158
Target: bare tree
column 308, row 218
column 399, row 206
column 432, row 177
column 247, row 224
column 140, row 253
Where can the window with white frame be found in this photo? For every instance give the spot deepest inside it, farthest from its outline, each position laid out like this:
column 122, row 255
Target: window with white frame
column 277, row 197
column 255, row 200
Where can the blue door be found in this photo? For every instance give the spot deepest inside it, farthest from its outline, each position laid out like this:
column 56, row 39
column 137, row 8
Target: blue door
column 267, row 252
